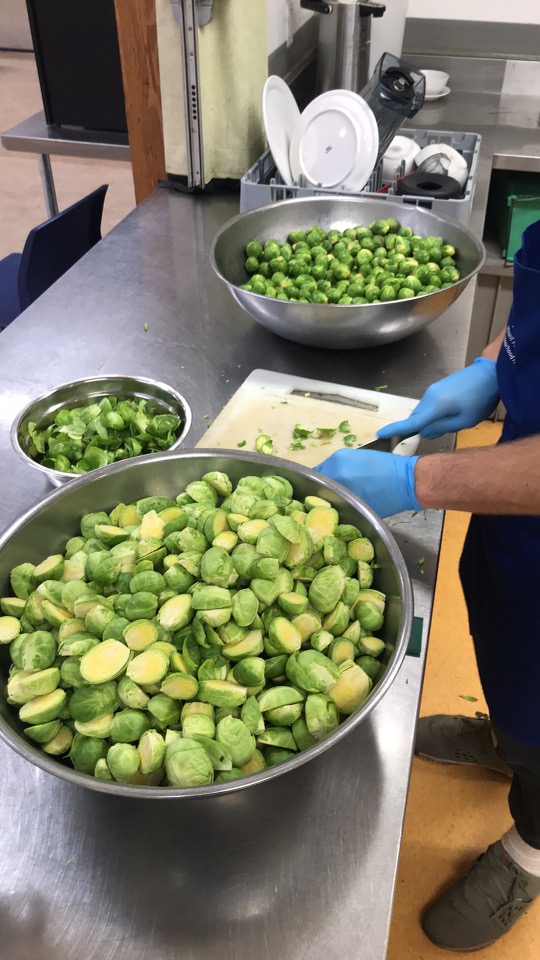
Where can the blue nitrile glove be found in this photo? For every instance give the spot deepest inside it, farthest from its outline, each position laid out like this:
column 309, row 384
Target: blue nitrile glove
column 461, row 400
column 384, row 480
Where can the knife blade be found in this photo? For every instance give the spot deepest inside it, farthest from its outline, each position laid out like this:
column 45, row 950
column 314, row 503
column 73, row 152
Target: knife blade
column 385, row 445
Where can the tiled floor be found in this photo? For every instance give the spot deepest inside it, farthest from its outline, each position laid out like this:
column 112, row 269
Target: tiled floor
column 453, row 814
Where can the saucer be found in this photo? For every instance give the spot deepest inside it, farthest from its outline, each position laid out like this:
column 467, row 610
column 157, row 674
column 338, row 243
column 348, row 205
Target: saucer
column 437, row 96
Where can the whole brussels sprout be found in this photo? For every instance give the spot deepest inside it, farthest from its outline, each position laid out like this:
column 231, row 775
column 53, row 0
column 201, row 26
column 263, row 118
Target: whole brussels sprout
column 128, row 726
column 235, row 736
column 164, row 710
column 326, row 589
column 311, row 671
column 92, row 702
column 103, row 568
column 85, row 752
column 150, row 581
column 321, row 715
column 216, row 567
column 38, row 650
column 187, row 764
column 123, row 761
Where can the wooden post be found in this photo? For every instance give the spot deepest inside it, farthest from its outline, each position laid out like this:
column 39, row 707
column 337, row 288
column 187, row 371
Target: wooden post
column 137, row 37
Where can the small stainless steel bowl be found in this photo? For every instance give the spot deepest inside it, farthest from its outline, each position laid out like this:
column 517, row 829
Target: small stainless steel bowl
column 47, row 526
column 80, row 392
column 337, row 326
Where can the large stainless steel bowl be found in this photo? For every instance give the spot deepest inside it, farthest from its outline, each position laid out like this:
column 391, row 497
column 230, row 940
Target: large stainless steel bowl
column 339, row 327
column 46, row 528
column 77, row 393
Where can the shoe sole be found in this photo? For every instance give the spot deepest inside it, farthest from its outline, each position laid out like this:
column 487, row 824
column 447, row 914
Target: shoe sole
column 462, row 763
column 443, row 946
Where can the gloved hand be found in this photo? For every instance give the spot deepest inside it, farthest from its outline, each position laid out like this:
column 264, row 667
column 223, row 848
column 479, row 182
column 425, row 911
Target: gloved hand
column 461, row 400
column 384, row 480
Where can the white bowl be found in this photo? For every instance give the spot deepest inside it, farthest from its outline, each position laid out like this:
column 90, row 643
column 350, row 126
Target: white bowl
column 436, row 81
column 442, row 158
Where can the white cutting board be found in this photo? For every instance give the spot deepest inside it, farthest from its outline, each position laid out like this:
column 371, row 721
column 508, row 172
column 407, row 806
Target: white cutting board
column 265, row 403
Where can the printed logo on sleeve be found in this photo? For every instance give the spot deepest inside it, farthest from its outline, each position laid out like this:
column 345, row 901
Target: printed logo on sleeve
column 509, row 343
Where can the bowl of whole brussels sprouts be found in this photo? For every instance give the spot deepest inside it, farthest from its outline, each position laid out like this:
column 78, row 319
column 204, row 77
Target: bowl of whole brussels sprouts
column 195, row 623
column 341, row 273
column 87, row 424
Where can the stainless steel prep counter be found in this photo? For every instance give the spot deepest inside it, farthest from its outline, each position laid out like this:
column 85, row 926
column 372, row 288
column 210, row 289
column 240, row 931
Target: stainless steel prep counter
column 303, row 867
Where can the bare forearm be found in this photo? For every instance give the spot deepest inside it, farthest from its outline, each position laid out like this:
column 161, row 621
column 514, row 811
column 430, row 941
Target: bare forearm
column 493, row 348
column 504, row 479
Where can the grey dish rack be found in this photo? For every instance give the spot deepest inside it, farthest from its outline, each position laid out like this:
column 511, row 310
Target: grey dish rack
column 262, row 184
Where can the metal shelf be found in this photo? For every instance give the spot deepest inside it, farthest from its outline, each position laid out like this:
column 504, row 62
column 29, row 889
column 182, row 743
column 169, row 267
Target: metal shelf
column 495, row 264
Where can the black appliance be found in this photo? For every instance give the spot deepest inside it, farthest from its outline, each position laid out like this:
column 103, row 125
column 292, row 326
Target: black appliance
column 78, row 63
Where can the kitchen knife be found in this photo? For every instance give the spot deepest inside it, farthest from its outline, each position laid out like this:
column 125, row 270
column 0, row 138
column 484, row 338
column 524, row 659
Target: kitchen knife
column 386, row 445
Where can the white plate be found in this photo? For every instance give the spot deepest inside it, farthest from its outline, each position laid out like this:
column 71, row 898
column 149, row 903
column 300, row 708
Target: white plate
column 336, row 142
column 281, row 116
column 437, row 96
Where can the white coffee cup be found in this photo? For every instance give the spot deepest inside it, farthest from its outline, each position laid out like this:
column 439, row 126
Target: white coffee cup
column 436, row 81
column 400, row 150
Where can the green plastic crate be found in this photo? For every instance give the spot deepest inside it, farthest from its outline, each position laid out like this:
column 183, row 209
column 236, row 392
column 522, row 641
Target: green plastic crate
column 518, row 207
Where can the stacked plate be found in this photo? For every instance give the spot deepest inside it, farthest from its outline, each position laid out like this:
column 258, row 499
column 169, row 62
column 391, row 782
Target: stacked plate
column 333, row 144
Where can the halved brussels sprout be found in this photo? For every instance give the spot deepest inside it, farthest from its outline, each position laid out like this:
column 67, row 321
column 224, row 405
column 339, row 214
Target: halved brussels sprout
column 280, row 696
column 372, row 646
column 352, row 688
column 150, row 666
column 104, row 662
column 180, row 686
column 311, row 671
column 176, row 613
column 277, row 737
column 252, row 716
column 293, row 603
column 46, row 707
column 140, row 634
column 26, row 685
column 361, row 549
column 222, row 693
column 151, row 751
column 100, row 728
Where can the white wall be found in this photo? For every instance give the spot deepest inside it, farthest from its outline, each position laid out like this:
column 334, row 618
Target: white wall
column 283, row 16
column 14, row 26
column 498, row 11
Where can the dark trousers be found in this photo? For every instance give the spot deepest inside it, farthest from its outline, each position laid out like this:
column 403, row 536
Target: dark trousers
column 524, row 797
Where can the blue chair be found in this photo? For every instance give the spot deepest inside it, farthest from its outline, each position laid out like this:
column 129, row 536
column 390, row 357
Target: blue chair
column 50, row 249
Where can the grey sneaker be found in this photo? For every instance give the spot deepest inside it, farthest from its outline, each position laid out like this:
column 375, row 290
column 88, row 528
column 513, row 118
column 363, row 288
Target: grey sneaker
column 447, row 739
column 483, row 905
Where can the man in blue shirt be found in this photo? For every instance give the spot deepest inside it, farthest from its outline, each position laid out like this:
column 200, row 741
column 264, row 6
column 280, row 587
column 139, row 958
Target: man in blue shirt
column 500, row 574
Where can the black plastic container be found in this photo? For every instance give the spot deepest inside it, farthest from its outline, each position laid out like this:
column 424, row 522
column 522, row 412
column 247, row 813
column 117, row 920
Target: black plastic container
column 78, row 63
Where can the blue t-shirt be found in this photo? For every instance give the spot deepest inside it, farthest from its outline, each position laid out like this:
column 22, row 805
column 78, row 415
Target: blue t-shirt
column 500, row 566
